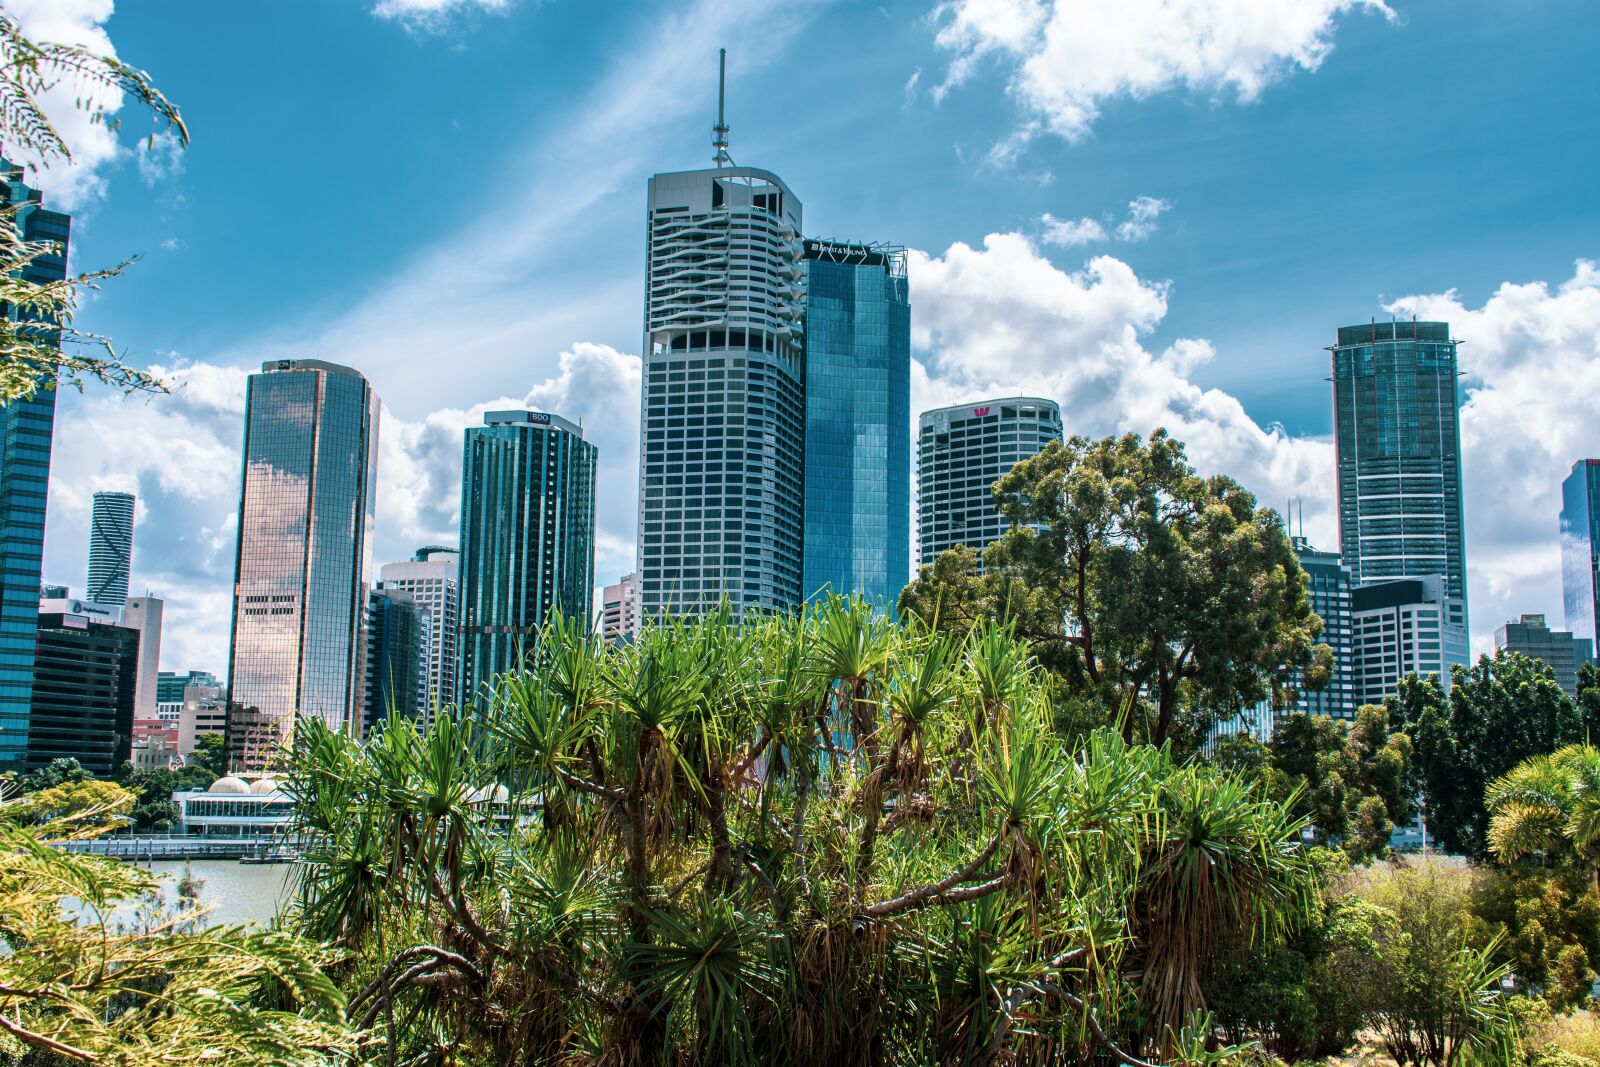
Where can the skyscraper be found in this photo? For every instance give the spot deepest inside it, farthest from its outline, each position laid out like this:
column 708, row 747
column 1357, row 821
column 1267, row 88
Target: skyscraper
column 1397, row 430
column 26, row 429
column 399, row 636
column 1580, row 550
column 143, row 613
column 432, row 578
column 858, row 421
column 110, row 548
column 722, row 436
column 300, row 587
column 527, row 537
column 1330, row 589
column 84, row 683
column 1559, row 650
column 961, row 452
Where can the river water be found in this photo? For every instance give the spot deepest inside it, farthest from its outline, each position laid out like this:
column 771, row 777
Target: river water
column 237, row 892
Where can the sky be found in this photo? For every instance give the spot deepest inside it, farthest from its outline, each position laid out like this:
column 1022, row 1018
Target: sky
column 1155, row 211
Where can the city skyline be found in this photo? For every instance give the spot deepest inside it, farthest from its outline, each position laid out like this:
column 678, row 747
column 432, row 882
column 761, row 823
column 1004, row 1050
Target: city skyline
column 1127, row 315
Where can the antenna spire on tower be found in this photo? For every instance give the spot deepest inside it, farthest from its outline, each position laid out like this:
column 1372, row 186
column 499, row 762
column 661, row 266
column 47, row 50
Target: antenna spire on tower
column 719, row 139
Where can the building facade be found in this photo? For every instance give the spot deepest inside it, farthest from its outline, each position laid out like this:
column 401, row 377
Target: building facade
column 722, row 434
column 110, row 548
column 399, row 637
column 1397, row 431
column 858, row 422
column 303, row 556
column 1401, row 627
column 1330, row 588
column 170, row 685
column 26, row 430
column 961, row 452
column 143, row 613
column 620, row 618
column 1561, row 651
column 527, row 537
column 433, row 579
column 83, row 693
column 1580, row 550
column 204, row 711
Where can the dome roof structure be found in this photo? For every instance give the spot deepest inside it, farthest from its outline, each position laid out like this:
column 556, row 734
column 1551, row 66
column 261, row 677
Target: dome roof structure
column 264, row 786
column 230, row 784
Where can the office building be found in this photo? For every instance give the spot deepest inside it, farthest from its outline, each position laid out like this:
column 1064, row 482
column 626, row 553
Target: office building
column 399, row 637
column 620, row 620
column 722, row 435
column 303, row 557
column 26, row 429
column 83, row 693
column 432, row 579
column 204, row 711
column 1397, row 432
column 1329, row 592
column 1559, row 650
column 110, row 548
column 527, row 537
column 170, row 685
column 858, row 422
column 1580, row 550
column 1401, row 627
column 961, row 452
column 143, row 613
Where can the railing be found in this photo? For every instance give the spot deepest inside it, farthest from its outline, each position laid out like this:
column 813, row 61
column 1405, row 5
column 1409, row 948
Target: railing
column 145, row 848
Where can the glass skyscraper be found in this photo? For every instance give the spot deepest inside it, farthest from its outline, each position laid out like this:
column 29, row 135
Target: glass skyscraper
column 399, row 636
column 110, row 548
column 1397, row 427
column 527, row 537
column 1580, row 550
column 26, row 428
column 961, row 452
column 722, row 436
column 858, row 422
column 305, row 522
column 1330, row 589
column 432, row 578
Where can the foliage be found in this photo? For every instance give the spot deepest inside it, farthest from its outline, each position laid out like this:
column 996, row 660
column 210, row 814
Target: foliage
column 41, row 313
column 211, row 752
column 155, row 812
column 1151, row 590
column 59, row 771
column 829, row 839
column 86, row 802
column 1347, row 778
column 1548, row 807
column 73, row 987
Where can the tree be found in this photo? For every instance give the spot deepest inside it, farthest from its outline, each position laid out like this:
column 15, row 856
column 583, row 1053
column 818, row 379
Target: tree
column 211, row 753
column 1347, row 778
column 1548, row 925
column 1589, row 702
column 154, row 811
column 39, row 318
column 84, row 802
column 1147, row 587
column 58, row 771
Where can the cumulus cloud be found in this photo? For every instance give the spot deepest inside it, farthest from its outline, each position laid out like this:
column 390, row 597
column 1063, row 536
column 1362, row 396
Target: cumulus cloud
column 1138, row 224
column 1141, row 221
column 1066, row 58
column 1070, row 232
column 432, row 14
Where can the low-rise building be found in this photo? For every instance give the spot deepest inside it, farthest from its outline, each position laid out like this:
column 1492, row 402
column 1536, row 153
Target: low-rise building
column 234, row 807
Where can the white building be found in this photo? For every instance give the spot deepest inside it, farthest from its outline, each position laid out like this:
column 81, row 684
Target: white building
column 620, row 617
column 1403, row 627
column 432, row 578
column 143, row 613
column 234, row 807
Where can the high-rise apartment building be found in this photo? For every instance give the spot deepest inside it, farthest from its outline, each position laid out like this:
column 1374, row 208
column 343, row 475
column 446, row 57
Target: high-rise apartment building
column 399, row 636
column 620, row 619
column 527, row 537
column 1561, row 651
column 301, row 578
column 722, row 435
column 26, row 429
column 1329, row 592
column 1397, row 431
column 83, row 693
column 961, row 452
column 858, row 421
column 432, row 578
column 1580, row 550
column 110, row 548
column 1400, row 627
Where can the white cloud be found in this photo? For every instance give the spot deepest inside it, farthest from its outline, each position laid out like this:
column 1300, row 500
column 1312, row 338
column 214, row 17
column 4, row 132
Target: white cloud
column 432, row 14
column 160, row 157
column 1138, row 224
column 1066, row 58
column 1141, row 221
column 1070, row 232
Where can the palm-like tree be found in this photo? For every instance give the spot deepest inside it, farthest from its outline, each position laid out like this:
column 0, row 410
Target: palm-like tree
column 1548, row 806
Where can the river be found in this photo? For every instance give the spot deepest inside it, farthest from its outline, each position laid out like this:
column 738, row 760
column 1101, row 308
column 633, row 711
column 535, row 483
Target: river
column 237, row 892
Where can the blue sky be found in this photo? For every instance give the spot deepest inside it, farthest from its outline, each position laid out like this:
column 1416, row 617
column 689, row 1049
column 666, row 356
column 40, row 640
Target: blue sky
column 449, row 196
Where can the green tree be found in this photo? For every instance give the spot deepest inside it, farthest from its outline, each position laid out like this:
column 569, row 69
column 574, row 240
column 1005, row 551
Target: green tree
column 1589, row 702
column 1347, row 778
column 154, row 811
column 1548, row 922
column 211, row 753
column 1150, row 589
column 59, row 771
column 83, row 802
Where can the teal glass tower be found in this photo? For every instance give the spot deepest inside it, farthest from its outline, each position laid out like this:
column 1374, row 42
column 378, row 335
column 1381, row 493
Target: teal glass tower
column 527, row 537
column 858, row 422
column 26, row 430
column 1580, row 550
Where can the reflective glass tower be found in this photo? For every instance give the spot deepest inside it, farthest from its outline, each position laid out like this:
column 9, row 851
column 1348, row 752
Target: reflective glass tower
column 110, row 548
column 399, row 635
column 432, row 579
column 305, row 520
column 1580, row 550
column 26, row 428
column 527, row 537
column 1397, row 427
column 858, row 421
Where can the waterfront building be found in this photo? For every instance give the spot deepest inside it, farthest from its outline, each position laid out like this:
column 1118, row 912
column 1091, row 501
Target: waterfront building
column 170, row 685
column 1330, row 590
column 961, row 452
column 110, row 548
column 1580, row 550
column 303, row 557
column 722, row 435
column 432, row 578
column 1397, row 433
column 143, row 613
column 26, row 430
column 399, row 636
column 83, row 692
column 527, row 537
column 857, row 421
column 1559, row 650
column 620, row 620
column 1401, row 627
column 234, row 807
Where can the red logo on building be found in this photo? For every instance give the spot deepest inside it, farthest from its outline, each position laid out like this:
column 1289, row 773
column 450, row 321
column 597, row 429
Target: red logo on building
column 980, row 412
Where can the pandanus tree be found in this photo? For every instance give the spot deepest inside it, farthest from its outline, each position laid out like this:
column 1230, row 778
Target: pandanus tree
column 1549, row 807
column 822, row 839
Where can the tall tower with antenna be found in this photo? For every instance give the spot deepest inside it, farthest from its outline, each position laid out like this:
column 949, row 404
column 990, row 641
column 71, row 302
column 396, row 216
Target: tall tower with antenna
column 722, row 412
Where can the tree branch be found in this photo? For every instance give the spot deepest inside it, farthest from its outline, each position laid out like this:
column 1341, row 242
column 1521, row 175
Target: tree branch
column 943, row 892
